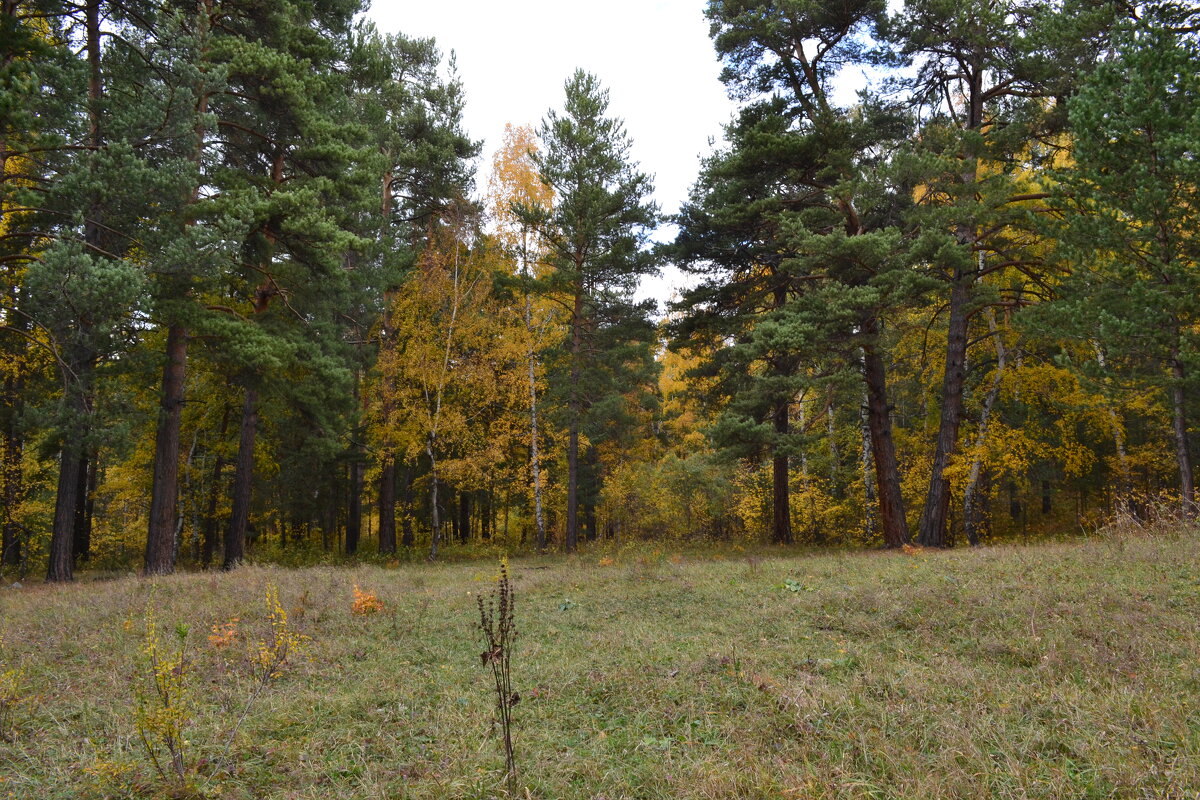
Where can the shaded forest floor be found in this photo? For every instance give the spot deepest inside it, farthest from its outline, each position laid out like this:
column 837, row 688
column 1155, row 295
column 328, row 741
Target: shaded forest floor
column 1048, row 671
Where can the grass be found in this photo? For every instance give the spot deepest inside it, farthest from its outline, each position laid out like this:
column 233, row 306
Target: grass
column 1050, row 671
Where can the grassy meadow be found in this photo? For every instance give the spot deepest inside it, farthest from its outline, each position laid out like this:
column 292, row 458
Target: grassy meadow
column 1047, row 671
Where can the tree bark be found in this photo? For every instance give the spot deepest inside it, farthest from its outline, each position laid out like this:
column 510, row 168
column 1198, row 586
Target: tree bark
column 1118, row 433
column 1187, row 486
column 14, row 488
column 972, row 514
column 932, row 529
column 77, row 382
column 160, row 541
column 883, row 447
column 62, row 539
column 576, row 411
column 354, row 506
column 243, row 482
column 12, row 464
column 781, row 525
column 572, row 536
column 869, row 492
column 387, row 506
column 535, row 467
column 434, row 518
column 406, row 528
column 208, row 545
column 81, row 547
column 464, row 517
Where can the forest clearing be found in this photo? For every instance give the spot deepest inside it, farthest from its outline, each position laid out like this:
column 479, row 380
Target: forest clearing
column 1051, row 671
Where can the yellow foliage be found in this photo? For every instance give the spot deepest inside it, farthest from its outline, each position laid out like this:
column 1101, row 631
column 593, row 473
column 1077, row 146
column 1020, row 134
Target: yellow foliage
column 269, row 656
column 166, row 709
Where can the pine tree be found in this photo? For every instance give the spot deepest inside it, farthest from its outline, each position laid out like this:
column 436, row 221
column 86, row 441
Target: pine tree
column 1128, row 204
column 291, row 157
column 798, row 212
column 992, row 78
column 594, row 236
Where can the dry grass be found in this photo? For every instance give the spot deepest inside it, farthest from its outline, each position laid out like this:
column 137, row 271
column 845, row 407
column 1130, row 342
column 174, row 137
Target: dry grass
column 1053, row 671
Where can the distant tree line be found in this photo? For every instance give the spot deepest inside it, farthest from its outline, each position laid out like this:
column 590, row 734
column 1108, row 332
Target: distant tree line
column 251, row 304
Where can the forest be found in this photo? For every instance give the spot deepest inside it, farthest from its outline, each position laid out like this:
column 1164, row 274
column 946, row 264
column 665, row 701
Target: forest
column 261, row 302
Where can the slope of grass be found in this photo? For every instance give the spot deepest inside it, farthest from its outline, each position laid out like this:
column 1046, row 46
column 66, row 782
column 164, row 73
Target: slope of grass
column 1053, row 671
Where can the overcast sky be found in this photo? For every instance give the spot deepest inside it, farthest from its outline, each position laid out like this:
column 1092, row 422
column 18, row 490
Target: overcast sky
column 654, row 57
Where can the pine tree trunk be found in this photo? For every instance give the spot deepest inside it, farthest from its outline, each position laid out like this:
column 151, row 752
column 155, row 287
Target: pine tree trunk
column 81, row 546
column 434, row 518
column 164, row 494
column 12, row 457
column 589, row 520
column 160, row 541
column 1118, row 433
column 972, row 515
column 12, row 474
column 572, row 537
column 406, row 528
column 805, row 482
column 77, row 382
column 535, row 466
column 932, row 529
column 576, row 411
column 781, row 525
column 589, row 491
column 464, row 517
column 208, row 544
column 71, row 463
column 328, row 515
column 835, row 456
column 869, row 493
column 354, row 506
column 487, row 524
column 1014, row 502
column 883, row 447
column 387, row 506
column 1187, row 486
column 243, row 482
column 208, row 540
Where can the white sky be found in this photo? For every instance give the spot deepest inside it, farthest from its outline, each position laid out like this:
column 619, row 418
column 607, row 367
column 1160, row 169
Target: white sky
column 654, row 57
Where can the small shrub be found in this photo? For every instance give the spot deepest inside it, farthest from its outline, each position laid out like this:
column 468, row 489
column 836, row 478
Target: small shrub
column 165, row 710
column 268, row 657
column 224, row 634
column 365, row 603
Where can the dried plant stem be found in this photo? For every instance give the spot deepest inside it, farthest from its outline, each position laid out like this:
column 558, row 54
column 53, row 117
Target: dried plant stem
column 499, row 629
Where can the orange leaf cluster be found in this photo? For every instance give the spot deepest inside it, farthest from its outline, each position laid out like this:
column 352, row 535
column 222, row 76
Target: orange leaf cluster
column 223, row 634
column 365, row 603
